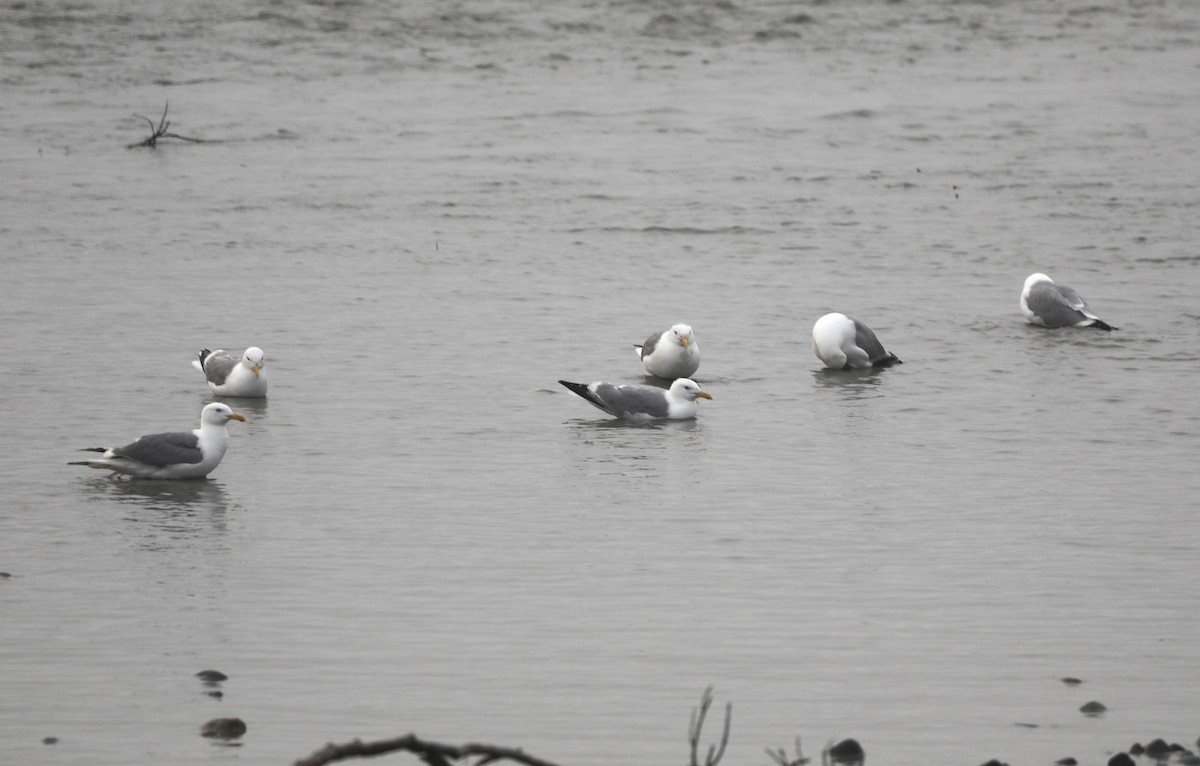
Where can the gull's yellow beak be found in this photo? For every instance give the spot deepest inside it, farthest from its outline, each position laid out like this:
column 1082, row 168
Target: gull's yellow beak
column 683, row 340
column 704, row 395
column 256, row 368
column 238, row 416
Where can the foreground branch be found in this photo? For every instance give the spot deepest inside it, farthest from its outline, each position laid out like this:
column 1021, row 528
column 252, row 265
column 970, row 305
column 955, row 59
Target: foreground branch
column 432, row 753
column 160, row 131
column 697, row 723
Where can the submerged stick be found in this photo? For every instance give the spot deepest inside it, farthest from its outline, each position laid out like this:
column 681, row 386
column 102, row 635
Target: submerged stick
column 432, row 753
column 160, row 131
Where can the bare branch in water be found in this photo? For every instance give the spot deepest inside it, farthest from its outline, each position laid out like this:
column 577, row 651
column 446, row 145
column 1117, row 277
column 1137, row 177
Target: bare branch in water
column 780, row 756
column 160, row 131
column 696, row 723
column 432, row 753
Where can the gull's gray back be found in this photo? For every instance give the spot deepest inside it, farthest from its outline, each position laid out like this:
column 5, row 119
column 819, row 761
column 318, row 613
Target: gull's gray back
column 218, row 365
column 1055, row 305
column 163, row 449
column 634, row 400
column 865, row 339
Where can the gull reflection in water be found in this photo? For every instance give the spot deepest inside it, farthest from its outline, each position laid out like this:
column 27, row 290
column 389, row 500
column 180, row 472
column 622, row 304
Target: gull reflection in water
column 167, row 510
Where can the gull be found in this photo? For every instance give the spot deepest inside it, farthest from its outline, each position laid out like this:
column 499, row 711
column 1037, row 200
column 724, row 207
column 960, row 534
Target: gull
column 844, row 343
column 670, row 354
column 174, row 454
column 641, row 403
column 230, row 376
column 1047, row 304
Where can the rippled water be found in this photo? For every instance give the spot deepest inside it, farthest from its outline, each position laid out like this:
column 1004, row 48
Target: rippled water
column 428, row 214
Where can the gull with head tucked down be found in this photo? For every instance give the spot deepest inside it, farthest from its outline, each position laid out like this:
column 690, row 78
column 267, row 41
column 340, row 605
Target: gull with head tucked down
column 844, row 343
column 1047, row 304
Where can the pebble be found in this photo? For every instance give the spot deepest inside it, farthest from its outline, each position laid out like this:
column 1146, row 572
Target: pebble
column 212, row 676
column 224, row 728
column 1121, row 759
column 50, row 741
column 1092, row 708
column 847, row 751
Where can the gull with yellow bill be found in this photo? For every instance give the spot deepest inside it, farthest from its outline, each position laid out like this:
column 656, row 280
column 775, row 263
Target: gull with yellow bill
column 230, row 376
column 174, row 454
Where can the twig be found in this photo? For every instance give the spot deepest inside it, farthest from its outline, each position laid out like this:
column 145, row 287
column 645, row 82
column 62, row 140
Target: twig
column 696, row 723
column 780, row 756
column 432, row 753
column 160, row 131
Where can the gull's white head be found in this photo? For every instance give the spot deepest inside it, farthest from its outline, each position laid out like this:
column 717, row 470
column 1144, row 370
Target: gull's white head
column 253, row 358
column 1033, row 279
column 218, row 414
column 682, row 334
column 686, row 388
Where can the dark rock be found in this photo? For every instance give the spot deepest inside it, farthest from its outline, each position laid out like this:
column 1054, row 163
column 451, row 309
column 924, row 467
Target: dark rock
column 224, row 728
column 1158, row 749
column 212, row 676
column 995, row 762
column 1069, row 681
column 1136, row 748
column 847, row 751
column 1093, row 708
column 5, row 574
column 1121, row 759
column 50, row 740
column 217, row 694
column 1189, row 759
column 1068, row 761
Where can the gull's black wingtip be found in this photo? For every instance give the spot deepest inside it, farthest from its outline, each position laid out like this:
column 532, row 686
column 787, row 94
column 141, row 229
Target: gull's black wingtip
column 1101, row 324
column 576, row 388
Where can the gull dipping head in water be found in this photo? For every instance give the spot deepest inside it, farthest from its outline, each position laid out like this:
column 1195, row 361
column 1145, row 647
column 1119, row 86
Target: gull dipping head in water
column 670, row 354
column 844, row 343
column 641, row 403
column 229, row 375
column 174, row 454
column 1047, row 304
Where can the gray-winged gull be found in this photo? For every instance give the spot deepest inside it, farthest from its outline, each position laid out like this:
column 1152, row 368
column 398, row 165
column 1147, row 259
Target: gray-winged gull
column 229, row 375
column 175, row 454
column 672, row 353
column 632, row 402
column 1047, row 304
column 844, row 343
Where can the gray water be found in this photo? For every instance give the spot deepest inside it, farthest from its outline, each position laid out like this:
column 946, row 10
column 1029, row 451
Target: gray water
column 427, row 213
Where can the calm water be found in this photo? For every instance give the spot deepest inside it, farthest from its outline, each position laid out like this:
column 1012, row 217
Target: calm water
column 427, row 215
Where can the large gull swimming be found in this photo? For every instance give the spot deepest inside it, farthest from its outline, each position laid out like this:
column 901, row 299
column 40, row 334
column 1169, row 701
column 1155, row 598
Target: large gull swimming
column 670, row 354
column 229, row 375
column 172, row 455
column 633, row 402
column 844, row 343
column 1047, row 304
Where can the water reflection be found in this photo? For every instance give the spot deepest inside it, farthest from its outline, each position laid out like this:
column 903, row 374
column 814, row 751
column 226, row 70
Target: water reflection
column 169, row 510
column 853, row 384
column 248, row 407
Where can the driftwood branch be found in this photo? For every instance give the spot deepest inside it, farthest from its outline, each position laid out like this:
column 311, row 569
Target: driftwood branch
column 432, row 753
column 696, row 723
column 160, row 131
column 780, row 756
